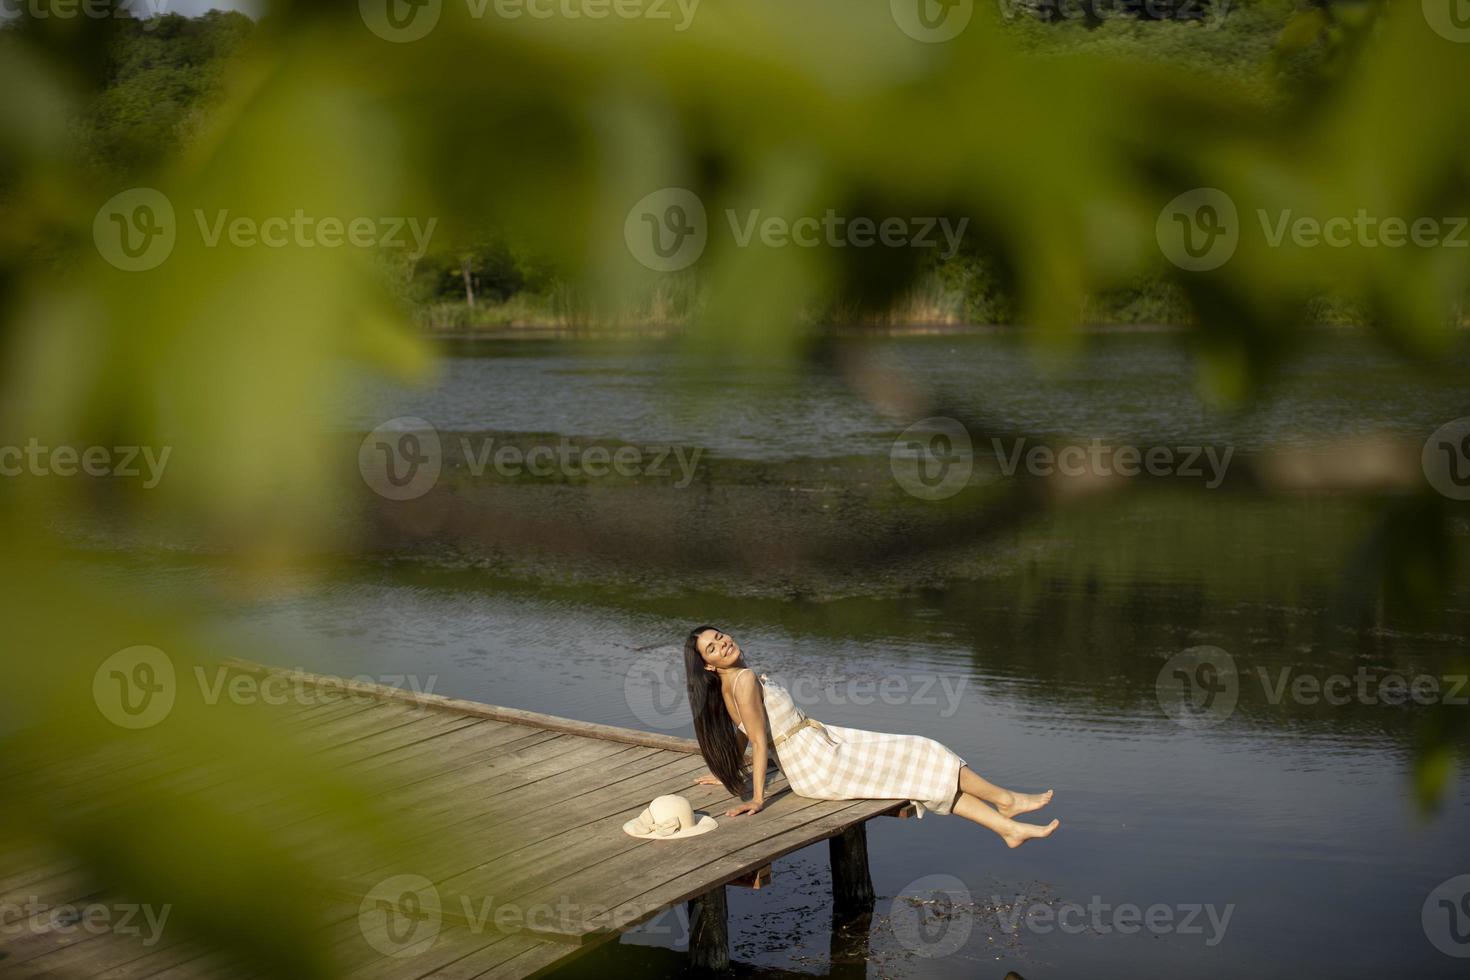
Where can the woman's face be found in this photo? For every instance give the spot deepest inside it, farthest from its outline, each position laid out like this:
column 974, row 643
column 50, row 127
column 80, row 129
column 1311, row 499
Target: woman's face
column 718, row 650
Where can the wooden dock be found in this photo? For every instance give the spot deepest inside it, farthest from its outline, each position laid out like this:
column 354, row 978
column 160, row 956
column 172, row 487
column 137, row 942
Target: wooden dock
column 516, row 862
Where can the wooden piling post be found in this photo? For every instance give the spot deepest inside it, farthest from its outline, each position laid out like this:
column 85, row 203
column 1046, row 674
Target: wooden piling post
column 852, row 885
column 709, row 931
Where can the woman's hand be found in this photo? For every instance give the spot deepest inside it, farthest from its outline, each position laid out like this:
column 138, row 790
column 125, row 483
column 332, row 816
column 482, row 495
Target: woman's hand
column 746, row 809
column 707, row 781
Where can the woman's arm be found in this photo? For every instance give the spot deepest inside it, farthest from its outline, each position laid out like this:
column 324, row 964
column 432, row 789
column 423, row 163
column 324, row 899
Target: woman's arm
column 753, row 713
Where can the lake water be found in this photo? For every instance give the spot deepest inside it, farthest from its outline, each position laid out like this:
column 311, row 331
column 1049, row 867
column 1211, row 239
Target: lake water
column 1279, row 840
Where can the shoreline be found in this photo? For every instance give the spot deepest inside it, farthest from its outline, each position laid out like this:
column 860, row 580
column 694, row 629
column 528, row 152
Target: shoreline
column 659, row 332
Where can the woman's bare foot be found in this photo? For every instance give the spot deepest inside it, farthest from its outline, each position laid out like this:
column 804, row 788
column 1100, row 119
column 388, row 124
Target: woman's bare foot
column 1025, row 803
column 1020, row 833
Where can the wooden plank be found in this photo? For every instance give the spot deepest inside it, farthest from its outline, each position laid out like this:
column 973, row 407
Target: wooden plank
column 40, row 935
column 554, row 781
column 537, row 961
column 121, row 761
column 210, row 966
column 492, row 804
column 557, row 754
column 454, row 945
column 481, row 793
column 182, row 956
column 550, row 722
column 455, row 802
column 88, row 958
column 738, row 862
column 515, row 956
column 353, row 956
column 379, row 718
column 361, row 735
column 377, row 743
column 511, row 743
column 22, row 853
column 519, row 753
column 191, row 775
column 481, row 732
column 121, row 960
column 61, row 887
column 521, row 808
column 617, row 869
column 579, row 833
column 17, row 883
column 305, row 717
column 119, row 758
column 558, row 831
column 493, row 745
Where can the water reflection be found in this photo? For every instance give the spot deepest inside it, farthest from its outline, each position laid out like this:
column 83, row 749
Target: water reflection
column 1294, row 807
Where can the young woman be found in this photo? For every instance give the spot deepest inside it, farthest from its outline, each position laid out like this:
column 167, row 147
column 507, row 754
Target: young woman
column 733, row 708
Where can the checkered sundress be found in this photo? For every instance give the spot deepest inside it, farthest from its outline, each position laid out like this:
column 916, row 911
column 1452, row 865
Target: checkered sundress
column 831, row 763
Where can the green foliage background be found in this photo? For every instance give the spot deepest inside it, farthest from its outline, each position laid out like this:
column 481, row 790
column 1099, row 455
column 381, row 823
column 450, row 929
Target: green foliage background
column 529, row 141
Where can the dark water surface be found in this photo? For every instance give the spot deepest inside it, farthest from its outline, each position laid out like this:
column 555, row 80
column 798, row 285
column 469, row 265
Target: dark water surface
column 1126, row 385
column 1294, row 819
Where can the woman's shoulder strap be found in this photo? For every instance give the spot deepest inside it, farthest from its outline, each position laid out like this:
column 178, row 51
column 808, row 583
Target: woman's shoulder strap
column 754, row 684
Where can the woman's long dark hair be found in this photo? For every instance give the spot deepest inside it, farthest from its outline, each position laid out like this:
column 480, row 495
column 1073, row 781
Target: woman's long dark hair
column 713, row 726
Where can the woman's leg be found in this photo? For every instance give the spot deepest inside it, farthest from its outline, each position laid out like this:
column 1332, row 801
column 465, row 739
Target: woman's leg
column 1008, row 803
column 1011, row 831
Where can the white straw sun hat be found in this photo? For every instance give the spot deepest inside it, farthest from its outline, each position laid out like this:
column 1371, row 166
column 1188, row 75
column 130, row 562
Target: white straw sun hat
column 668, row 817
